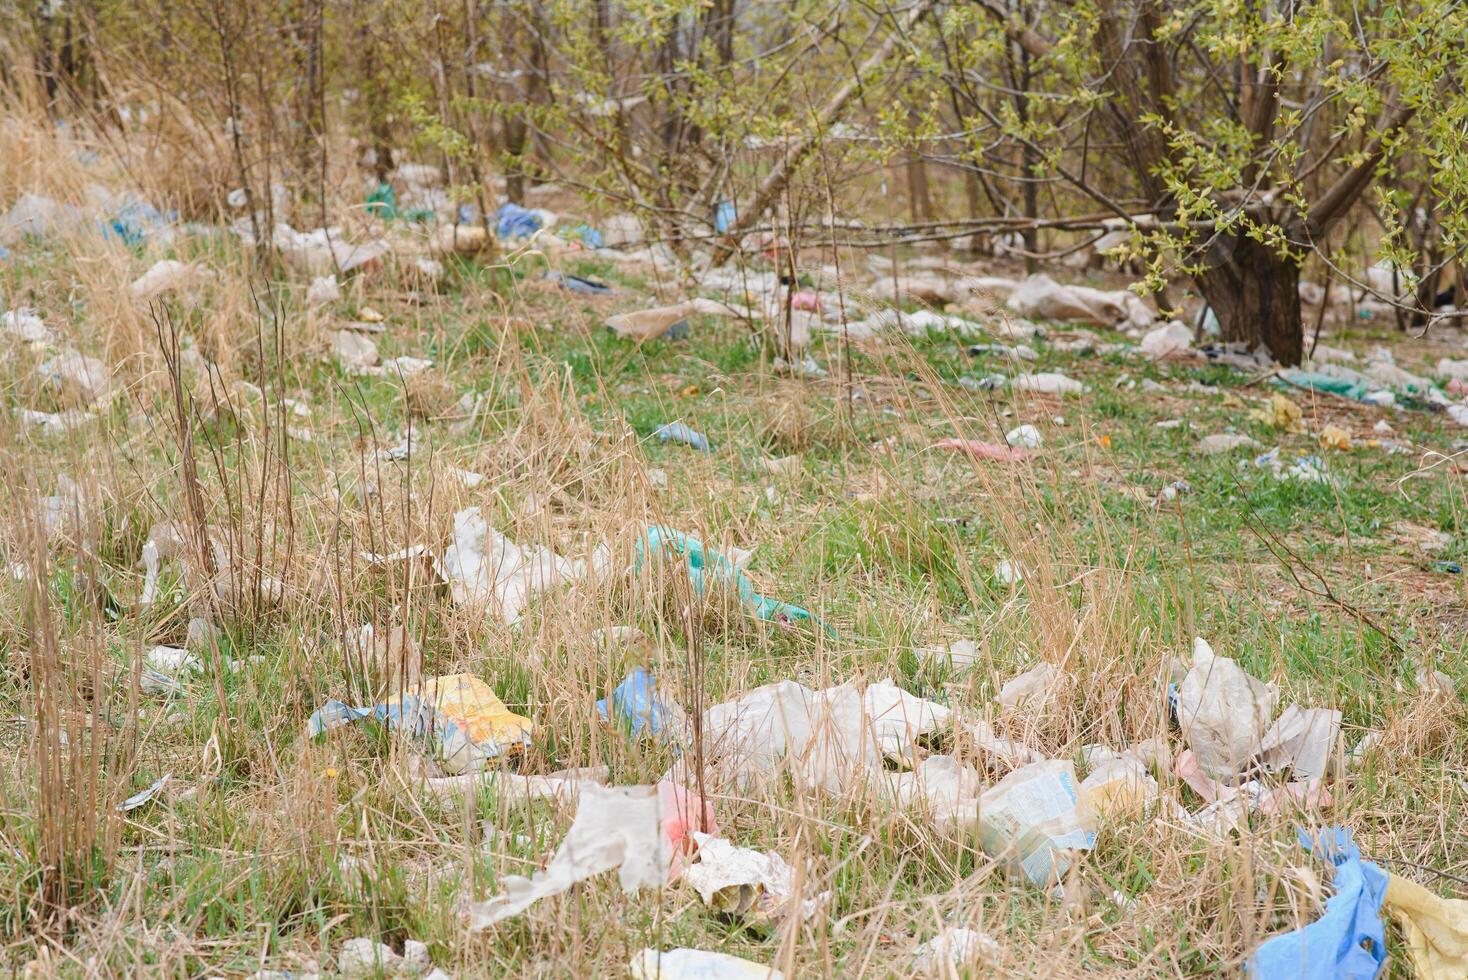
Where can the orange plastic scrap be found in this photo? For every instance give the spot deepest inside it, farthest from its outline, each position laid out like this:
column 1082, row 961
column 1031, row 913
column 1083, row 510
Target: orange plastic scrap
column 1436, row 929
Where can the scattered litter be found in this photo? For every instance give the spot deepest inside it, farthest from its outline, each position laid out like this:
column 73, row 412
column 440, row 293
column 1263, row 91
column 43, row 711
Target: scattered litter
column 1032, row 690
column 1119, row 786
column 1435, row 928
column 636, row 705
column 953, row 951
column 680, row 432
column 985, row 450
column 323, row 291
column 487, row 570
column 960, row 654
column 1031, row 817
column 517, row 222
column 1281, row 413
column 1025, row 435
column 579, row 284
column 172, row 661
column 354, row 350
column 743, row 882
column 1334, row 437
column 1172, row 339
column 697, row 964
column 1225, row 442
column 563, row 786
column 636, row 829
column 26, row 326
column 458, row 716
column 1043, row 298
column 168, row 276
column 1223, row 712
column 83, row 379
column 647, row 324
column 1047, row 383
column 1008, row 573
column 1348, row 941
column 707, row 568
column 144, row 797
column 1306, row 469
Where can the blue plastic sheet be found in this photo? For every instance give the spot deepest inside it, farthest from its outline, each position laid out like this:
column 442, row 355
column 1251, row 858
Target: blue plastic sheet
column 706, row 567
column 636, row 704
column 723, row 216
column 678, row 432
column 516, row 222
column 1348, row 941
column 586, row 235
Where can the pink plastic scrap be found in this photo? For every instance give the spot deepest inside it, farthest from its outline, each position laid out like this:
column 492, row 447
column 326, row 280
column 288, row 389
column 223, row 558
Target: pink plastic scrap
column 992, row 451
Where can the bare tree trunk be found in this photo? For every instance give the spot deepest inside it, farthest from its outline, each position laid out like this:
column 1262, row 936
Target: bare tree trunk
column 1255, row 293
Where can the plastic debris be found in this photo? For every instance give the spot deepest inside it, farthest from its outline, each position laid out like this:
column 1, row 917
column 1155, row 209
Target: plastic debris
column 458, row 716
column 488, row 571
column 363, row 958
column 1435, row 928
column 744, row 882
column 960, row 654
column 513, row 221
column 83, row 379
column 1032, row 690
column 681, row 432
column 145, row 796
column 1172, row 339
column 658, row 321
column 26, row 326
column 697, row 964
column 323, row 291
column 563, row 785
column 580, row 284
column 985, row 451
column 1007, row 572
column 637, row 830
column 1301, row 740
column 1031, row 817
column 1334, row 437
column 1047, row 383
column 1281, row 413
column 1025, row 435
column 636, row 705
column 355, row 351
column 953, row 950
column 172, row 661
column 708, row 568
column 1348, row 941
column 167, row 276
column 1223, row 712
column 1119, row 786
column 1225, row 442
column 1043, row 298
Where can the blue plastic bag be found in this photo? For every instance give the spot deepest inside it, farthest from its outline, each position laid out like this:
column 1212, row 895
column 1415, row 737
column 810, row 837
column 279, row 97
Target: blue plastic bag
column 1348, row 941
column 678, row 432
column 637, row 704
column 724, row 215
column 516, row 222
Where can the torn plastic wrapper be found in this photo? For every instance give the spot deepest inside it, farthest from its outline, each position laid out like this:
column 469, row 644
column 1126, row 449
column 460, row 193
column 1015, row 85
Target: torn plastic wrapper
column 637, row 705
column 1031, row 817
column 744, row 882
column 706, row 567
column 697, row 964
column 641, row 831
column 459, row 715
